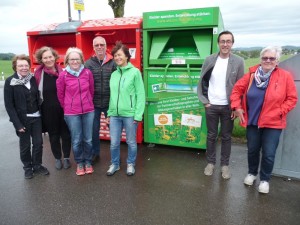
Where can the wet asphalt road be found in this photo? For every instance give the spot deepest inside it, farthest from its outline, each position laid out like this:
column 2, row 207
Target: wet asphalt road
column 169, row 188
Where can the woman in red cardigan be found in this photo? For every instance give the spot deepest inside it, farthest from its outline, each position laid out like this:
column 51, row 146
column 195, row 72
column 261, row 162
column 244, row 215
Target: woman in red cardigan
column 261, row 100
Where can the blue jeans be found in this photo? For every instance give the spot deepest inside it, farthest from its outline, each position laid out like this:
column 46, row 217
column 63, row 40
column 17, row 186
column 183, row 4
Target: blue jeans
column 265, row 139
column 216, row 114
column 80, row 127
column 117, row 123
column 96, row 129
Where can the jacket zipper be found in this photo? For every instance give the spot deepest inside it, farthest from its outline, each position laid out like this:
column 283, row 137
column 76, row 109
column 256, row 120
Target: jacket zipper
column 101, row 78
column 80, row 94
column 119, row 93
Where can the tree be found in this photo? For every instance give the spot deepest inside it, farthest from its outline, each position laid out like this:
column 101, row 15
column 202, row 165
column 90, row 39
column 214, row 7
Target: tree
column 117, row 7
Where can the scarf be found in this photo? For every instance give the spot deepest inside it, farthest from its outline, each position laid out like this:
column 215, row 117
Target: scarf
column 262, row 79
column 39, row 76
column 73, row 72
column 42, row 68
column 21, row 81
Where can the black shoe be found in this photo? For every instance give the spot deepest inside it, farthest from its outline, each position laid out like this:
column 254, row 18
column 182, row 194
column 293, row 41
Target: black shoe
column 41, row 170
column 95, row 159
column 28, row 173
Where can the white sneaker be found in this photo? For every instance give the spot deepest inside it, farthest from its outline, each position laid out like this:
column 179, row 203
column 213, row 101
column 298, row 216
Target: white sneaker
column 264, row 187
column 225, row 172
column 130, row 170
column 209, row 169
column 112, row 169
column 249, row 179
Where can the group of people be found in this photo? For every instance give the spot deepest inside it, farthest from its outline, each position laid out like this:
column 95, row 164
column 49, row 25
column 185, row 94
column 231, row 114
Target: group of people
column 260, row 99
column 67, row 104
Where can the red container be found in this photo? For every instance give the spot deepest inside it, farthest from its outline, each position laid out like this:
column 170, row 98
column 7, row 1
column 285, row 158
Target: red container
column 129, row 31
column 81, row 34
column 59, row 36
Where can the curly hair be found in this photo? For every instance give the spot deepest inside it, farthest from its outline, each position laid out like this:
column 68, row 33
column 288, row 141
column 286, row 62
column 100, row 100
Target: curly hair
column 39, row 53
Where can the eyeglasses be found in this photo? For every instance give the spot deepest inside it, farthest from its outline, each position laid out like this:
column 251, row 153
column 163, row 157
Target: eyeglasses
column 74, row 60
column 21, row 66
column 227, row 42
column 99, row 45
column 265, row 59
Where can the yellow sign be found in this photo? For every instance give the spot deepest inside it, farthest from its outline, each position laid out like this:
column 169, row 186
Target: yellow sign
column 79, row 5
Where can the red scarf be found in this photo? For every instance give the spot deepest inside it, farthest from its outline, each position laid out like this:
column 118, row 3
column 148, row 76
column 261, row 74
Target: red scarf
column 38, row 72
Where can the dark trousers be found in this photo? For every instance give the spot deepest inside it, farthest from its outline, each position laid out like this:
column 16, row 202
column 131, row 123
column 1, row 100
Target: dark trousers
column 60, row 141
column 59, row 134
column 216, row 114
column 264, row 140
column 96, row 129
column 33, row 131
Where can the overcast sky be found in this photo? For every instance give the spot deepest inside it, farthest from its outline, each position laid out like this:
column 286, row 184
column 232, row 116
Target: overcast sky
column 254, row 23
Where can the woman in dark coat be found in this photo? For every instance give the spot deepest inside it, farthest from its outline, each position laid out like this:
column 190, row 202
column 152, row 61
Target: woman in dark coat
column 52, row 113
column 21, row 99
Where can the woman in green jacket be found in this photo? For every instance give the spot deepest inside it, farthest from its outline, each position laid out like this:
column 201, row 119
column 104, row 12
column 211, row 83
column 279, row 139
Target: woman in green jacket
column 126, row 108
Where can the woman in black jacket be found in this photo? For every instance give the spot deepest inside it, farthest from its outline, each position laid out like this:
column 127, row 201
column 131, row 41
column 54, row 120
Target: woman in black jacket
column 21, row 98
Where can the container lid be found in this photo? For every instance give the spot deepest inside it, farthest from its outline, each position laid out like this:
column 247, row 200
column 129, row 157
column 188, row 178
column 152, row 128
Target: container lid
column 67, row 27
column 115, row 23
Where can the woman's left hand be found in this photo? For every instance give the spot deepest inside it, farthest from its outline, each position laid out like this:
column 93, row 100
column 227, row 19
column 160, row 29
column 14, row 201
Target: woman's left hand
column 240, row 114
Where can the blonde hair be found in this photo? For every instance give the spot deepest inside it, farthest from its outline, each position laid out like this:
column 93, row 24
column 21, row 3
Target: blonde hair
column 71, row 50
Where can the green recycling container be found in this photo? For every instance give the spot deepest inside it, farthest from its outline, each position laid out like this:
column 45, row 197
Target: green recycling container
column 175, row 45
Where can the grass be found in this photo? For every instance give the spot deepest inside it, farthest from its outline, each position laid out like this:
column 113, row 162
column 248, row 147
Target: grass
column 5, row 67
column 239, row 132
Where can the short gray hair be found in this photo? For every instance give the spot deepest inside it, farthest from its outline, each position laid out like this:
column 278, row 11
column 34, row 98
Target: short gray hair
column 276, row 49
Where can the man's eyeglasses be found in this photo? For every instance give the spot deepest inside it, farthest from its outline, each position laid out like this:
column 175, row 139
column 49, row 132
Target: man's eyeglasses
column 265, row 59
column 229, row 42
column 99, row 45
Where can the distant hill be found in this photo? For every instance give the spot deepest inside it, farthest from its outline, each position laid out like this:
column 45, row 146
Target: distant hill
column 288, row 47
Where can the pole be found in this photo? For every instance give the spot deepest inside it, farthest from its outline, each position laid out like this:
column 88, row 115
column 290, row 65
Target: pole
column 79, row 15
column 69, row 12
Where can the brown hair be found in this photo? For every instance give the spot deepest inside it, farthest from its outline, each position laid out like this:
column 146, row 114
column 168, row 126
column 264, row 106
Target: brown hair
column 20, row 57
column 39, row 53
column 124, row 48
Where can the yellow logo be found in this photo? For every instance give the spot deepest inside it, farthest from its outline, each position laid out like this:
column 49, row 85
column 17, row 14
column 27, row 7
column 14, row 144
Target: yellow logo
column 163, row 119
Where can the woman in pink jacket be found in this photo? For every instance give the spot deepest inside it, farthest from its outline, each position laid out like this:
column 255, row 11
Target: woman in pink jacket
column 75, row 92
column 261, row 99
